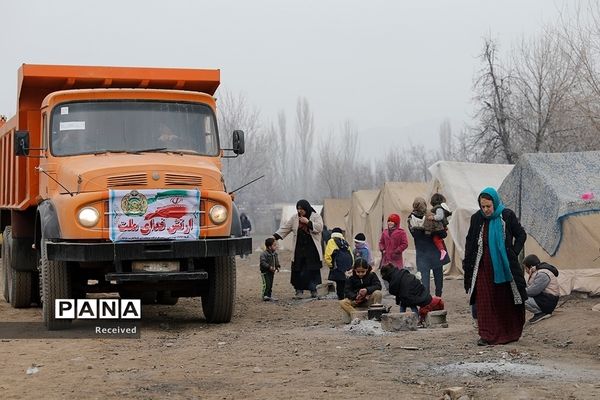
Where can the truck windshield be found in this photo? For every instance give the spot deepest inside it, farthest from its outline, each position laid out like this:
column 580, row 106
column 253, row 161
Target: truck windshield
column 93, row 127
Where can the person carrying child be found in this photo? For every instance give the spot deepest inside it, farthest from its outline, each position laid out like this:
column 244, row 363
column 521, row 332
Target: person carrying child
column 269, row 263
column 361, row 248
column 339, row 259
column 436, row 222
column 363, row 288
column 410, row 292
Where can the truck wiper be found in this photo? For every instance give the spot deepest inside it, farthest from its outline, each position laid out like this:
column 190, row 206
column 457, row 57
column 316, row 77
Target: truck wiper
column 152, row 150
column 104, row 151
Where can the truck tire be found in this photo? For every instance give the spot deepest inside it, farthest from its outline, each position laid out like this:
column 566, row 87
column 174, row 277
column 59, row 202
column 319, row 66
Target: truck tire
column 19, row 282
column 5, row 266
column 56, row 284
column 219, row 299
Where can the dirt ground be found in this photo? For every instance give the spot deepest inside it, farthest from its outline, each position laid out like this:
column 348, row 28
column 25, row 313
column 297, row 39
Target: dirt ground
column 300, row 349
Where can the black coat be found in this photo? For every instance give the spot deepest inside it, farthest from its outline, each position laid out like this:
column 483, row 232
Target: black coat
column 514, row 240
column 353, row 284
column 409, row 291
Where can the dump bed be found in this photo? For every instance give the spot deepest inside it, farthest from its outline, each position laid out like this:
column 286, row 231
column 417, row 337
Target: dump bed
column 18, row 178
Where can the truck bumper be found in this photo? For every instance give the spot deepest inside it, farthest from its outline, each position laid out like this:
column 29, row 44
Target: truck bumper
column 147, row 250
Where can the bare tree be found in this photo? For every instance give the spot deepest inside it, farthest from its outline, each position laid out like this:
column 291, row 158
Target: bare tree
column 405, row 165
column 544, row 78
column 305, row 131
column 236, row 114
column 338, row 161
column 446, row 142
column 492, row 87
column 582, row 37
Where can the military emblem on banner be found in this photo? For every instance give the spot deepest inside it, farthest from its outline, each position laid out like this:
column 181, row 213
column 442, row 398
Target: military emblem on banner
column 134, row 203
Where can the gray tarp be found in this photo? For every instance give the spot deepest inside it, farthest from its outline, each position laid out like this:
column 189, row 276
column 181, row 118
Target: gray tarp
column 548, row 192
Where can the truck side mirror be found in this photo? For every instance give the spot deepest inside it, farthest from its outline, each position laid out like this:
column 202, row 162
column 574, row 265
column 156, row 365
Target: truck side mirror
column 22, row 143
column 238, row 142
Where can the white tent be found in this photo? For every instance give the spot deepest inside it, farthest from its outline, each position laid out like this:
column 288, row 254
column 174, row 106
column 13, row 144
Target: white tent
column 393, row 198
column 461, row 184
column 556, row 197
column 335, row 212
column 287, row 210
column 361, row 203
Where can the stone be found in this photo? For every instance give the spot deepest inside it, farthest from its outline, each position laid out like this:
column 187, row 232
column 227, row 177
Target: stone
column 325, row 288
column 454, row 392
column 346, row 318
column 359, row 314
column 436, row 319
column 392, row 322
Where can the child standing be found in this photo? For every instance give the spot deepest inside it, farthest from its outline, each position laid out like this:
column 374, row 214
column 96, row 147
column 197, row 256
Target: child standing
column 269, row 263
column 437, row 222
column 339, row 260
column 361, row 248
column 363, row 288
column 393, row 242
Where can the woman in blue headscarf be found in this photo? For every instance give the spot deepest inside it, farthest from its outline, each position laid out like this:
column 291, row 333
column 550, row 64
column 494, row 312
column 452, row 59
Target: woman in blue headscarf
column 493, row 275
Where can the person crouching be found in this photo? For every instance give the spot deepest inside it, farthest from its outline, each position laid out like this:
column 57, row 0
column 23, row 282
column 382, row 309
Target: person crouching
column 410, row 292
column 362, row 289
column 542, row 288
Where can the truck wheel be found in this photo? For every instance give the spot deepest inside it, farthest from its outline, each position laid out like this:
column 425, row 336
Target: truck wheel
column 219, row 300
column 19, row 282
column 56, row 284
column 5, row 265
column 164, row 297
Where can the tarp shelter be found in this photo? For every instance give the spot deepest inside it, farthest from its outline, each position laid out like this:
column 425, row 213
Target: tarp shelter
column 335, row 212
column 361, row 203
column 394, row 197
column 461, row 184
column 287, row 210
column 557, row 198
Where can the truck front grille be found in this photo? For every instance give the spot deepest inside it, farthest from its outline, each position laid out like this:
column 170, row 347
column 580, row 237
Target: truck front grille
column 127, row 180
column 183, row 180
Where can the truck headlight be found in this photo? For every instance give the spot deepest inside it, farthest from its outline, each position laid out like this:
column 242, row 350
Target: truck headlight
column 218, row 214
column 88, row 217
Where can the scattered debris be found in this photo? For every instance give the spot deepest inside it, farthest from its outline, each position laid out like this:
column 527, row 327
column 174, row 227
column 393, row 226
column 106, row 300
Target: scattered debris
column 411, row 348
column 454, row 392
column 33, row 369
column 564, row 344
column 366, row 328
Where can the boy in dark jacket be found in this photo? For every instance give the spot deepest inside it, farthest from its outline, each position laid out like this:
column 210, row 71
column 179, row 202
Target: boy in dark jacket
column 269, row 263
column 409, row 291
column 362, row 288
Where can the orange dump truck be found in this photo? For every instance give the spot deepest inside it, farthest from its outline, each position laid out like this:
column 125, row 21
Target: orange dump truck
column 110, row 181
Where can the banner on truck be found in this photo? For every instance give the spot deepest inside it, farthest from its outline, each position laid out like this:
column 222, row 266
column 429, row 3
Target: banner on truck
column 154, row 214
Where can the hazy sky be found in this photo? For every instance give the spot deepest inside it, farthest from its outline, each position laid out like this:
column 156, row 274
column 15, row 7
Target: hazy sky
column 394, row 68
